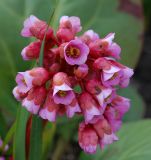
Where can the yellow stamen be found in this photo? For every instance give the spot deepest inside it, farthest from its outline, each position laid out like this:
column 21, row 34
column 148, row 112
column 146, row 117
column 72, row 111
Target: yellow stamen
column 73, row 52
column 62, row 93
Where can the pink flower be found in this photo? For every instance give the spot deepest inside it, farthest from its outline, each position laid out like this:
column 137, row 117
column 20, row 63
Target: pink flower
column 71, row 23
column 72, row 108
column 105, row 133
column 49, row 109
column 89, row 106
column 35, row 77
column 115, row 111
column 112, row 72
column 34, row 99
column 34, row 27
column 89, row 36
column 62, row 92
column 18, row 94
column 65, row 35
column 31, row 51
column 102, row 94
column 105, row 47
column 81, row 71
column 108, row 139
column 88, row 139
column 2, row 158
column 76, row 52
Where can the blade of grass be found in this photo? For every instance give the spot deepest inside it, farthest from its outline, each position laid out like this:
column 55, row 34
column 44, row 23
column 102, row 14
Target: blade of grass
column 19, row 137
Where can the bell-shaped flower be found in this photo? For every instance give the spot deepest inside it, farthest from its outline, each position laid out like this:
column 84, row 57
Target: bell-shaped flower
column 49, row 109
column 112, row 72
column 89, row 36
column 105, row 47
column 89, row 106
column 62, row 92
column 88, row 138
column 34, row 27
column 35, row 98
column 76, row 52
column 31, row 51
column 72, row 108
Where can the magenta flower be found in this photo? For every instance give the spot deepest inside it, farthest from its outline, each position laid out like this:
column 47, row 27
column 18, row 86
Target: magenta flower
column 113, row 73
column 89, row 106
column 63, row 94
column 88, row 139
column 102, row 94
column 76, row 52
column 72, row 108
column 98, row 132
column 105, row 47
column 34, row 99
column 71, row 23
column 31, row 51
column 89, row 36
column 34, row 27
column 49, row 109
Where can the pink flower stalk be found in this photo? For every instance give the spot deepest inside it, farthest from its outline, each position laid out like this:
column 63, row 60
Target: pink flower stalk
column 87, row 62
column 34, row 99
column 76, row 52
column 34, row 27
column 31, row 51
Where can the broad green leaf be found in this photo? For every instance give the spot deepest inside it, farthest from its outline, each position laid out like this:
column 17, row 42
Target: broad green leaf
column 3, row 126
column 137, row 108
column 36, row 139
column 19, row 138
column 134, row 144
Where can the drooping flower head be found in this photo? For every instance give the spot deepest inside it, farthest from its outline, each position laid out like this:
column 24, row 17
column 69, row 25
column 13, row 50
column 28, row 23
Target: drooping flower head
column 79, row 76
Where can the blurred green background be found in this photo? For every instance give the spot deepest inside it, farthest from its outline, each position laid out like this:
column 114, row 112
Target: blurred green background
column 129, row 19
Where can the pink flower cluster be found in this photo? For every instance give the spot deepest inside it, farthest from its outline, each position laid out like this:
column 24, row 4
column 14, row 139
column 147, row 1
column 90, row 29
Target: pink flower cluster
column 71, row 61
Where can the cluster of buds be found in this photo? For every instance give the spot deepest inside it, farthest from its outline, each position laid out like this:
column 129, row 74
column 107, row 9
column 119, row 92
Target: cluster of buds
column 69, row 61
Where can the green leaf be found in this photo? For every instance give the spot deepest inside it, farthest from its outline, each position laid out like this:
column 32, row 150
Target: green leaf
column 48, row 135
column 134, row 144
column 3, row 126
column 36, row 139
column 137, row 108
column 19, row 138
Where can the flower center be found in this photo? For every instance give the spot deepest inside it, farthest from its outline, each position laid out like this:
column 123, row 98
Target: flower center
column 24, row 82
column 73, row 52
column 62, row 93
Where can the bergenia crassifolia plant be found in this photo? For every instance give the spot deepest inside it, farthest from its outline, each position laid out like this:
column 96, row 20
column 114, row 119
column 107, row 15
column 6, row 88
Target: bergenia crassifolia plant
column 69, row 61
